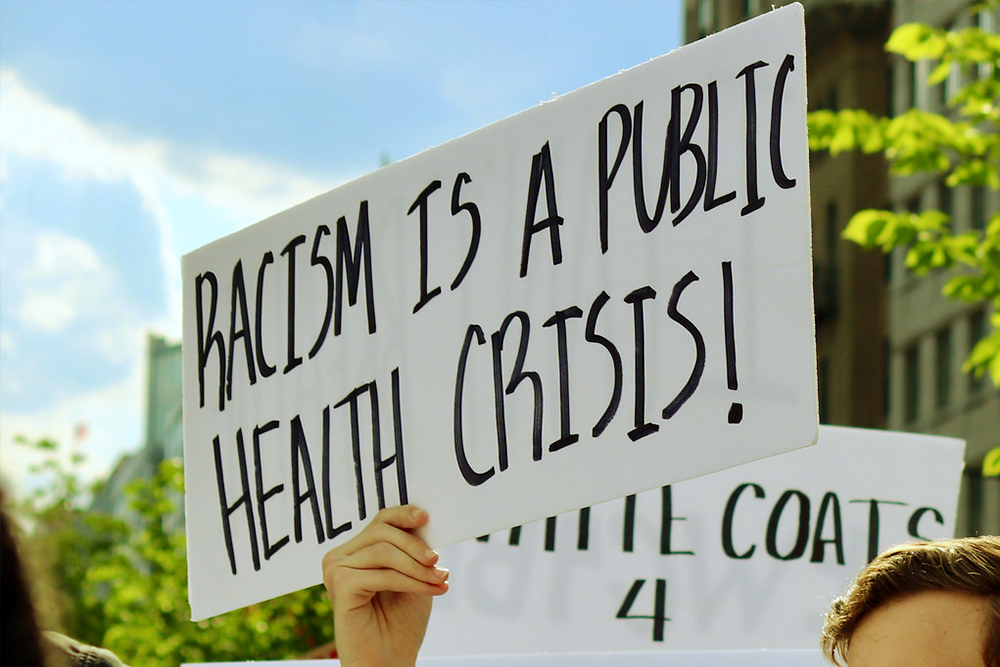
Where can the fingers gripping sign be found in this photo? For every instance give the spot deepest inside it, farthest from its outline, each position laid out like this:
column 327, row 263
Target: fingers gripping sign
column 381, row 584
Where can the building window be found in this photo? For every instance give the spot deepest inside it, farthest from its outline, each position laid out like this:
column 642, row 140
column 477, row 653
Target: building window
column 972, row 480
column 944, row 199
column 985, row 22
column 832, row 231
column 951, row 84
column 921, row 71
column 916, row 73
column 942, row 365
column 706, row 18
column 977, row 208
column 911, row 384
column 832, row 99
column 824, row 391
column 978, row 329
column 895, row 258
column 886, row 377
column 914, row 86
column 890, row 77
column 825, row 267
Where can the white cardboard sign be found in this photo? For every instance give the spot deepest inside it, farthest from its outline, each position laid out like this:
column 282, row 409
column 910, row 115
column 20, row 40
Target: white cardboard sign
column 745, row 558
column 598, row 296
column 812, row 658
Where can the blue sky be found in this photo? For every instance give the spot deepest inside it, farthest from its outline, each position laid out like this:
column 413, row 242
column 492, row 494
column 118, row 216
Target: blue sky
column 132, row 132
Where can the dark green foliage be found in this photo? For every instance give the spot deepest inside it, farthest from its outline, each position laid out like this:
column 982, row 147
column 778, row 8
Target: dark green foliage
column 123, row 586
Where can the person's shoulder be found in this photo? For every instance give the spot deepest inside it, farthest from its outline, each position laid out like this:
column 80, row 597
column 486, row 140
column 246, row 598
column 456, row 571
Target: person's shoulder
column 78, row 654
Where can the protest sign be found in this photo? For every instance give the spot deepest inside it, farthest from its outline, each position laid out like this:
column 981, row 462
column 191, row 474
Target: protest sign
column 746, row 558
column 811, row 658
column 598, row 296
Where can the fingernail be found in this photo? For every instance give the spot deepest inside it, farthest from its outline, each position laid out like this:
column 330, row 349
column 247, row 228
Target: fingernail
column 430, row 554
column 441, row 573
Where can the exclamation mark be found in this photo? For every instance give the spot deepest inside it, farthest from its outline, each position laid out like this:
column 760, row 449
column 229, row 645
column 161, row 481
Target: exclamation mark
column 736, row 409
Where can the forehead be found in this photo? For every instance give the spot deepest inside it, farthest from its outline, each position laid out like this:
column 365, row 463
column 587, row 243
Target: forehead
column 928, row 629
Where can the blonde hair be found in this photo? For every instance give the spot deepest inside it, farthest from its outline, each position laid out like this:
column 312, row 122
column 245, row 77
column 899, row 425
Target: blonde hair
column 965, row 565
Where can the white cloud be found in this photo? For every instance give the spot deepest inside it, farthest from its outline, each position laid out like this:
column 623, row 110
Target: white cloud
column 36, row 128
column 49, row 311
column 64, row 279
column 249, row 187
column 230, row 190
column 57, row 251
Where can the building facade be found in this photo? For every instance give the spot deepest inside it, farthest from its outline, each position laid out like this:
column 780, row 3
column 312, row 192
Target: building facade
column 890, row 346
column 163, row 437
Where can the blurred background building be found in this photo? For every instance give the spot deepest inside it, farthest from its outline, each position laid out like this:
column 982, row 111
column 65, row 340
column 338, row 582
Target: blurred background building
column 890, row 347
column 164, row 437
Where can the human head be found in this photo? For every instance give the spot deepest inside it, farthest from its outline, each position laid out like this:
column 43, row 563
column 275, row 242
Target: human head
column 968, row 565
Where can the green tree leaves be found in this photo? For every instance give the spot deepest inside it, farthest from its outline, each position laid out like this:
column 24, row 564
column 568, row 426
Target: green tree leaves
column 64, row 542
column 963, row 146
column 123, row 585
column 148, row 618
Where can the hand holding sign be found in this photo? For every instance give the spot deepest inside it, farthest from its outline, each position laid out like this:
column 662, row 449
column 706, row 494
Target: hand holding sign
column 380, row 585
